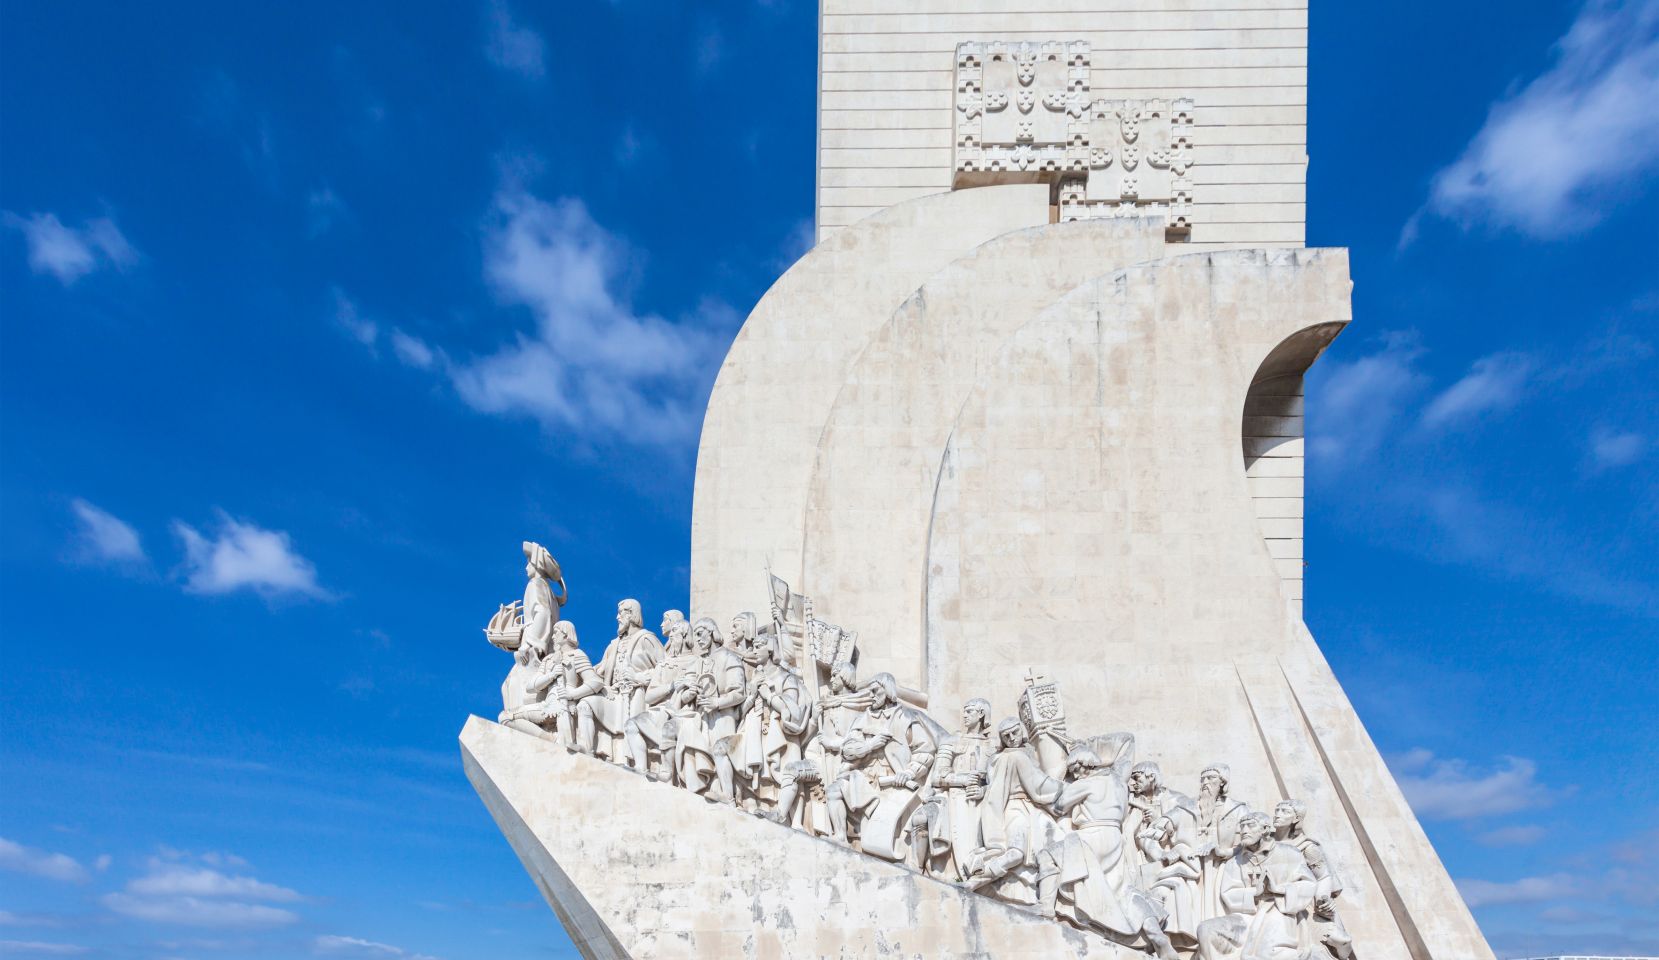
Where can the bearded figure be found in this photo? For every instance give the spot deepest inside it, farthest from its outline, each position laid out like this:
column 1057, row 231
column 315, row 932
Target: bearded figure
column 1217, row 835
column 1162, row 829
column 1267, row 895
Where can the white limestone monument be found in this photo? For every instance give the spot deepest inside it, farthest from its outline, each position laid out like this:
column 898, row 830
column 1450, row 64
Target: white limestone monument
column 995, row 645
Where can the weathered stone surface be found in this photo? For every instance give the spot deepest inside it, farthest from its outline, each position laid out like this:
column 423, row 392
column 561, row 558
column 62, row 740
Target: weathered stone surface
column 641, row 869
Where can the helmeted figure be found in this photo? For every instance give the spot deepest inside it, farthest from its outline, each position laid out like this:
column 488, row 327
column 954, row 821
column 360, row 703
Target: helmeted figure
column 625, row 670
column 887, row 753
column 945, row 829
column 1267, row 893
column 1217, row 834
column 1086, row 876
column 1289, row 818
column 714, row 690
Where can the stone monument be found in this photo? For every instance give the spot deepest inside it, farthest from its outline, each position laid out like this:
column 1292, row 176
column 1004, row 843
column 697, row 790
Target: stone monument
column 1031, row 420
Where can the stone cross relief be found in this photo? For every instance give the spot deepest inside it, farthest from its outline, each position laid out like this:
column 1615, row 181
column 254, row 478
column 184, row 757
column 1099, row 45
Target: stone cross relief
column 1024, row 112
column 773, row 719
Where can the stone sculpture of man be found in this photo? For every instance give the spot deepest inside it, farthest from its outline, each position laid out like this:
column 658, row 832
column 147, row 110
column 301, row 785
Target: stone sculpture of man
column 1289, row 818
column 1217, row 834
column 831, row 715
column 656, row 729
column 1012, row 826
column 625, row 670
column 774, row 724
column 541, row 603
column 536, row 678
column 887, row 753
column 1162, row 828
column 1085, row 876
column 580, row 681
column 1267, row 894
column 945, row 829
column 714, row 689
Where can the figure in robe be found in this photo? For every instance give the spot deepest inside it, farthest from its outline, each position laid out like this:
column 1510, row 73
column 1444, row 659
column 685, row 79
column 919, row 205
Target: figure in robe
column 802, row 797
column 1289, row 818
column 656, row 729
column 886, row 756
column 1162, row 829
column 945, row 828
column 1012, row 825
column 1267, row 893
column 625, row 670
column 774, row 724
column 1217, row 836
column 1086, row 876
column 714, row 691
column 525, row 629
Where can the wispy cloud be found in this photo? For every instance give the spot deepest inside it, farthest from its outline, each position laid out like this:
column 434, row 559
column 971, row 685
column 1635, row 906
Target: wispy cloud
column 42, row 948
column 191, row 894
column 346, row 314
column 412, row 351
column 1493, row 384
column 69, row 253
column 102, row 537
column 1450, row 789
column 1490, row 893
column 1610, row 448
column 594, row 366
column 1548, row 156
column 324, row 209
column 1360, row 401
column 40, row 863
column 335, row 945
column 1516, row 836
column 243, row 556
column 512, row 46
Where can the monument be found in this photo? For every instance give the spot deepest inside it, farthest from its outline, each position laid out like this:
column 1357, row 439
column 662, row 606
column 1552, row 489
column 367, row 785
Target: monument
column 1026, row 426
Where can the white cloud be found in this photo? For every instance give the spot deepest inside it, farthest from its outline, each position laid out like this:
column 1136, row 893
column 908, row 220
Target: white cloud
column 412, row 351
column 1491, row 893
column 1517, row 836
column 1548, row 156
column 594, row 365
column 197, row 912
column 102, row 537
column 40, row 863
column 42, row 948
column 242, row 556
column 362, row 330
column 178, row 890
column 512, row 46
column 323, row 209
column 174, row 879
column 1493, row 384
column 70, row 254
column 1448, row 789
column 1616, row 448
column 1353, row 406
column 335, row 945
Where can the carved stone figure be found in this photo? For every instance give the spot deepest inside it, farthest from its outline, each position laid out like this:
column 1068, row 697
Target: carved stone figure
column 769, row 738
column 1288, row 820
column 1267, row 894
column 715, row 690
column 580, row 681
column 625, row 671
column 1012, row 827
column 1162, row 828
column 805, row 783
column 656, row 729
column 533, row 693
column 945, row 829
column 1085, row 876
column 887, row 753
column 1217, row 836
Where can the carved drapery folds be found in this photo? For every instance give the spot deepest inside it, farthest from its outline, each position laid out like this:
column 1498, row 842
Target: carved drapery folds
column 773, row 719
column 1024, row 112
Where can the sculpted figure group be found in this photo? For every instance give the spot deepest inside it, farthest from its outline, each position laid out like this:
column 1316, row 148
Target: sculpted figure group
column 1072, row 827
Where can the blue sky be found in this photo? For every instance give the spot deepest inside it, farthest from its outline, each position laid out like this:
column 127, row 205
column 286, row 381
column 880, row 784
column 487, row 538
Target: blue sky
column 311, row 312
